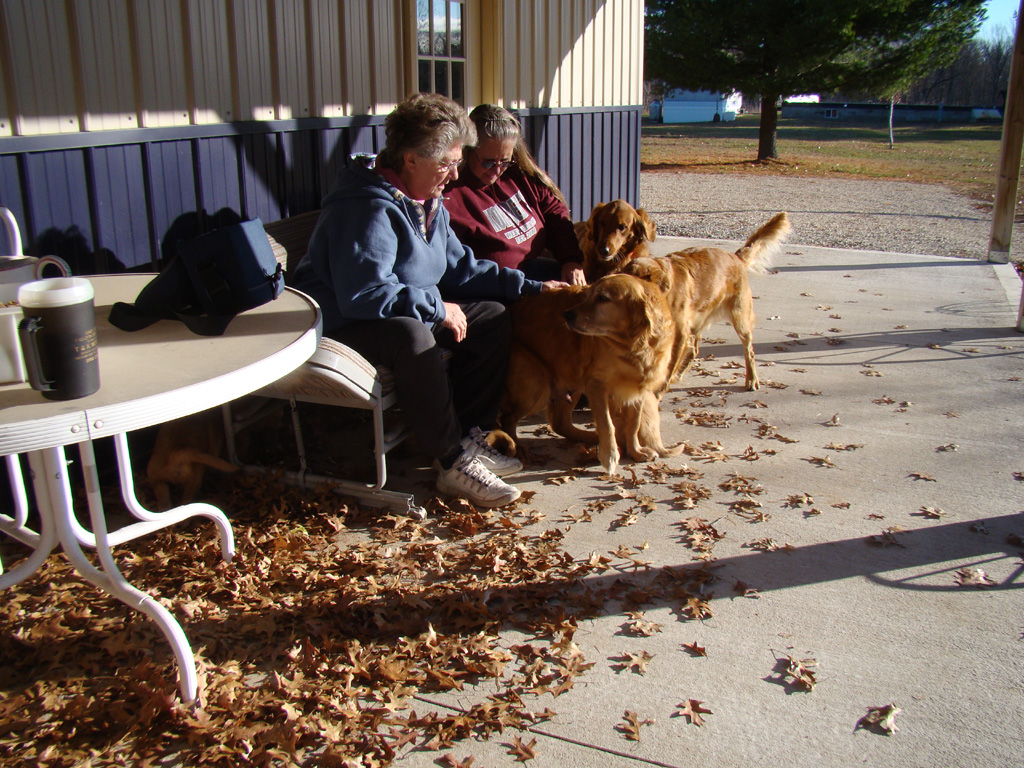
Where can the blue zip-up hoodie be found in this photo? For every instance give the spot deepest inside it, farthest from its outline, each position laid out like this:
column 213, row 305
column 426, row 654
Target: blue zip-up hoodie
column 371, row 257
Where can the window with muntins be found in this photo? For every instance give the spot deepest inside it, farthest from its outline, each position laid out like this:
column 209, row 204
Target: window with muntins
column 440, row 49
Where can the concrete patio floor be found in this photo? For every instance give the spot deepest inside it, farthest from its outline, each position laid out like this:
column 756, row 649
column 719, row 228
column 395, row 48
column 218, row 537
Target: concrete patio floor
column 883, row 455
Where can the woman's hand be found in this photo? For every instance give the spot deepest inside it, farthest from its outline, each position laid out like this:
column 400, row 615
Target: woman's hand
column 572, row 273
column 454, row 320
column 552, row 285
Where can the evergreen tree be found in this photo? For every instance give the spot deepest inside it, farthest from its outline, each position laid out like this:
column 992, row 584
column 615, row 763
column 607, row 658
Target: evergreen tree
column 776, row 48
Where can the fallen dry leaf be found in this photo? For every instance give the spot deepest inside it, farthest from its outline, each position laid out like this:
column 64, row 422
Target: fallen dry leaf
column 521, row 750
column 695, row 650
column 882, row 719
column 631, row 725
column 973, row 577
column 634, row 661
column 692, row 710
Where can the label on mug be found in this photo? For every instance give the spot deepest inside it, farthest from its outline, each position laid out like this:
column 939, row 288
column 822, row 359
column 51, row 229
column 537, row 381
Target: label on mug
column 58, row 337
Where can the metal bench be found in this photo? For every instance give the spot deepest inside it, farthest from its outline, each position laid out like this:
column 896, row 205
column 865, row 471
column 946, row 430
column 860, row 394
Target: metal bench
column 335, row 375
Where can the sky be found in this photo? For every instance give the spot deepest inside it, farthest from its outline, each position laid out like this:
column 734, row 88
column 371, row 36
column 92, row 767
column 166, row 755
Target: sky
column 1000, row 17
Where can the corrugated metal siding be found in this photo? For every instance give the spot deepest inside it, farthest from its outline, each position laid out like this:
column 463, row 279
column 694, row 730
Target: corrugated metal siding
column 582, row 53
column 129, row 127
column 116, row 64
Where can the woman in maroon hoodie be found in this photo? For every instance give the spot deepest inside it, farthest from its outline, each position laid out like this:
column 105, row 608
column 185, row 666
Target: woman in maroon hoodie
column 507, row 209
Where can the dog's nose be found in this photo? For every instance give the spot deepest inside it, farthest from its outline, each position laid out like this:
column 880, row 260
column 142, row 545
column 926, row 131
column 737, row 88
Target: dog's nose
column 604, row 250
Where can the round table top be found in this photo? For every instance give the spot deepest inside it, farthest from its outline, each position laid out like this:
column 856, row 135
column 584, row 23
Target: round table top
column 162, row 372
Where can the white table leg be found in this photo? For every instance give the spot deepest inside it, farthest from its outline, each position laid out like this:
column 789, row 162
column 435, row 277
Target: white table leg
column 149, row 522
column 53, row 494
column 42, row 543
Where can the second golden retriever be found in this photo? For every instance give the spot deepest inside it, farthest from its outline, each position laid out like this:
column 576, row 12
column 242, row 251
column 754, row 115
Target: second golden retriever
column 615, row 233
column 702, row 284
column 612, row 341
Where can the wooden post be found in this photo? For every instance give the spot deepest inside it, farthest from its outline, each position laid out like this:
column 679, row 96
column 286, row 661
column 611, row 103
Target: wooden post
column 1009, row 154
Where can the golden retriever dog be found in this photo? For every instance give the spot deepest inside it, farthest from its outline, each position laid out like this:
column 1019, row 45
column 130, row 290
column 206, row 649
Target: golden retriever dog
column 183, row 450
column 615, row 233
column 611, row 340
column 702, row 284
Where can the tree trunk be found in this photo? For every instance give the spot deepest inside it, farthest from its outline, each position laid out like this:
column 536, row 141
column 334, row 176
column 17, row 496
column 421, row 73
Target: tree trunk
column 767, row 148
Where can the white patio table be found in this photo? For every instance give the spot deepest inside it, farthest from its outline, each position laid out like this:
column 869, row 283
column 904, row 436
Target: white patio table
column 147, row 377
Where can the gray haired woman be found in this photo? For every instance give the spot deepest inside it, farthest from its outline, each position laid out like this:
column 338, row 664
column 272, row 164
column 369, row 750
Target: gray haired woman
column 395, row 284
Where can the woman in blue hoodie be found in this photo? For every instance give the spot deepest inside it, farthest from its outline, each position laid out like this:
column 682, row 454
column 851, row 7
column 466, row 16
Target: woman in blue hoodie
column 395, row 284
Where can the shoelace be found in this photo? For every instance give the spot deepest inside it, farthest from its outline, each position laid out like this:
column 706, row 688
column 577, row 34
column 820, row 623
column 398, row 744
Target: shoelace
column 488, row 450
column 479, row 474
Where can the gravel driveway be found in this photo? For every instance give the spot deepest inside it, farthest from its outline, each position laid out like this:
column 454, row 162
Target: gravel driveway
column 891, row 216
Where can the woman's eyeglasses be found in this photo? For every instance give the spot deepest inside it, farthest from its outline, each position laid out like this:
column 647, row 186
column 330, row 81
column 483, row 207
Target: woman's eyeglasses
column 501, row 165
column 447, row 168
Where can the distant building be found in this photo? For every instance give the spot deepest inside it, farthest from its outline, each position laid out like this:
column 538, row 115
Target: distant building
column 682, row 106
column 871, row 112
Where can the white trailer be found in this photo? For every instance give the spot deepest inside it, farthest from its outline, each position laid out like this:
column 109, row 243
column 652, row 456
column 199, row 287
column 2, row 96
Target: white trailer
column 680, row 106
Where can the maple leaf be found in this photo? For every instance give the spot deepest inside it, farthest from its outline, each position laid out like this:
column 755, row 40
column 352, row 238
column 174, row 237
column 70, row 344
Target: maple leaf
column 888, row 537
column 631, row 725
column 920, row 476
column 522, row 752
column 881, row 719
column 932, row 512
column 800, row 670
column 695, row 650
column 973, row 577
column 696, row 608
column 635, row 661
column 821, row 461
column 640, row 626
column 744, row 590
column 692, row 710
column 450, row 761
column 947, row 448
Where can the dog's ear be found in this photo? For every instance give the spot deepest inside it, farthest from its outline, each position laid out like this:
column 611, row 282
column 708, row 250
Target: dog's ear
column 645, row 228
column 595, row 210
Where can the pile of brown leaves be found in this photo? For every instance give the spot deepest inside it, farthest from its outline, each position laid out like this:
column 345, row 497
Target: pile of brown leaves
column 316, row 644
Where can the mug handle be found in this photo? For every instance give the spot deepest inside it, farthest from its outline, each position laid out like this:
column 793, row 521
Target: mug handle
column 52, row 261
column 27, row 330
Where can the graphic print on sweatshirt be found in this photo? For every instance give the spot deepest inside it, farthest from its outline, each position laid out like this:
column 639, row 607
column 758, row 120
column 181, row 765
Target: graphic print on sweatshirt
column 513, row 219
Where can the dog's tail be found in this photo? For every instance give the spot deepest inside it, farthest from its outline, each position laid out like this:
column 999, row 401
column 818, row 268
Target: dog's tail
column 193, row 456
column 759, row 249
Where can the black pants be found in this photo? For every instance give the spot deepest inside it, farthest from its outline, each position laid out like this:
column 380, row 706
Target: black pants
column 440, row 405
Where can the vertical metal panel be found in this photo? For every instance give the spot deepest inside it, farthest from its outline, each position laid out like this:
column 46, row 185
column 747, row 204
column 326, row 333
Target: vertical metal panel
column 299, row 165
column 58, row 197
column 219, row 176
column 118, row 192
column 254, row 94
column 334, row 149
column 289, row 65
column 263, row 188
column 387, row 54
column 161, row 74
column 10, row 196
column 38, row 33
column 172, row 185
column 326, row 51
column 357, row 56
column 211, row 70
column 105, row 65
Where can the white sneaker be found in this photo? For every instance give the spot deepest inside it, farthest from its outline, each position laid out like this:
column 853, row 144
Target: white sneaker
column 475, row 444
column 470, row 479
